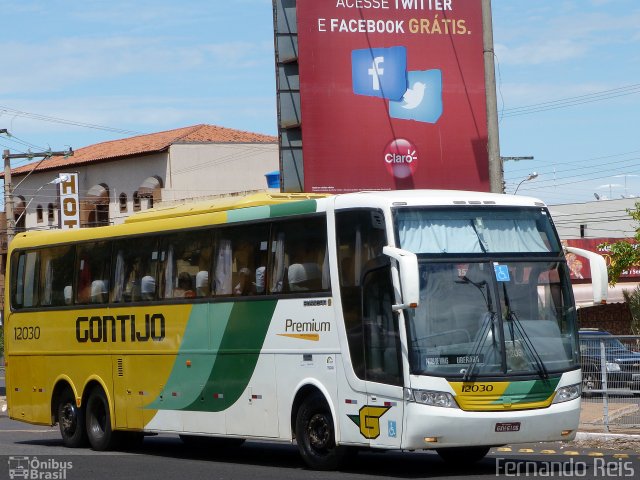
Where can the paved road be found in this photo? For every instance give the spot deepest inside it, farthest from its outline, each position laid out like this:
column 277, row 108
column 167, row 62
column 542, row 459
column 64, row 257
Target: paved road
column 3, row 385
column 165, row 457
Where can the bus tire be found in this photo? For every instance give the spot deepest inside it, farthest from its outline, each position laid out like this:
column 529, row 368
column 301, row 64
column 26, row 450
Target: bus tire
column 71, row 421
column 315, row 435
column 463, row 455
column 98, row 421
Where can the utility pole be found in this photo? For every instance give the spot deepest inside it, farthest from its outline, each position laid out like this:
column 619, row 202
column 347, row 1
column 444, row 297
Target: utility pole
column 8, row 186
column 496, row 172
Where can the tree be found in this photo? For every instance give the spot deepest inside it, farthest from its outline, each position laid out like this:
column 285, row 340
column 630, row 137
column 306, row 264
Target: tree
column 633, row 300
column 623, row 255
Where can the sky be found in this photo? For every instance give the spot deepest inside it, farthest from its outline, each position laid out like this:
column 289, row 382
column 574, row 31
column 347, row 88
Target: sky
column 78, row 73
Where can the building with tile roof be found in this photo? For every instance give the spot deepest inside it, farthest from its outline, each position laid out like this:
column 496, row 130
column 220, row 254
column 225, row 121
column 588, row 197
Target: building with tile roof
column 120, row 177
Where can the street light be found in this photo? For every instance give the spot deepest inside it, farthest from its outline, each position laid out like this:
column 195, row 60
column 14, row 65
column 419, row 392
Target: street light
column 531, row 176
column 55, row 181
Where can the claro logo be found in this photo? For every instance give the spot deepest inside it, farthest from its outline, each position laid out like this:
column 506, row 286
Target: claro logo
column 401, row 158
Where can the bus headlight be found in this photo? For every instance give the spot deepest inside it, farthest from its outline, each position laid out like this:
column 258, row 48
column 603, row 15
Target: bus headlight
column 429, row 397
column 570, row 392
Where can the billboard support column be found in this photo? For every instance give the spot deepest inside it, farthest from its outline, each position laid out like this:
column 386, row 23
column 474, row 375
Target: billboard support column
column 496, row 174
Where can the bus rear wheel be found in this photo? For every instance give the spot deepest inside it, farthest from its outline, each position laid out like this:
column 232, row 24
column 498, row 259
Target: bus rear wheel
column 315, row 435
column 71, row 421
column 98, row 421
column 463, row 455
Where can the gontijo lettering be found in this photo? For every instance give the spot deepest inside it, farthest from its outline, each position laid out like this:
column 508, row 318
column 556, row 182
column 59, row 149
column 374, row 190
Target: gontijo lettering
column 120, row 328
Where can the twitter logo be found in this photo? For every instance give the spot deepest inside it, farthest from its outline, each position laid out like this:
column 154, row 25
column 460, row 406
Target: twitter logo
column 422, row 101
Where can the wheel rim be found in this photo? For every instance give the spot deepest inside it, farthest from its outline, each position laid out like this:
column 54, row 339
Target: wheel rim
column 319, row 432
column 69, row 419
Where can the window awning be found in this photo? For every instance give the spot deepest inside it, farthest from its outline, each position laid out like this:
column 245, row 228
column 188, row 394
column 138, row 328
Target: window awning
column 98, row 195
column 149, row 187
column 18, row 206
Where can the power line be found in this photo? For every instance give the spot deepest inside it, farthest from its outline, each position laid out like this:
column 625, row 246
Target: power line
column 63, row 121
column 572, row 101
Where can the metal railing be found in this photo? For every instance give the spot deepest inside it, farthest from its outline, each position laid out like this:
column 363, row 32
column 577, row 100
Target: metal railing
column 610, row 381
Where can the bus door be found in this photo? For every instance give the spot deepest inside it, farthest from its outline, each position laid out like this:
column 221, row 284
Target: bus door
column 383, row 361
column 372, row 331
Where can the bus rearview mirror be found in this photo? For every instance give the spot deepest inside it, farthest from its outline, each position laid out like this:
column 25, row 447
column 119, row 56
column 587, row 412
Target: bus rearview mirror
column 407, row 265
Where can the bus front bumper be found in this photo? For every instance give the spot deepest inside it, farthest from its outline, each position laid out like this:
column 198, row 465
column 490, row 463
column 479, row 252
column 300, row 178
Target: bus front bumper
column 435, row 427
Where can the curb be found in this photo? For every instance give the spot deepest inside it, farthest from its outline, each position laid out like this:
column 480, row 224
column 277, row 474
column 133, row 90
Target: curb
column 585, row 436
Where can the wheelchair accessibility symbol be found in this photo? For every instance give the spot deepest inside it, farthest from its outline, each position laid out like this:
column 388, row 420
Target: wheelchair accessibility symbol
column 502, row 272
column 392, row 429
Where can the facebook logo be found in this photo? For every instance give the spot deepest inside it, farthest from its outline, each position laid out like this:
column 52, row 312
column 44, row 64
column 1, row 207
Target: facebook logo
column 422, row 101
column 380, row 72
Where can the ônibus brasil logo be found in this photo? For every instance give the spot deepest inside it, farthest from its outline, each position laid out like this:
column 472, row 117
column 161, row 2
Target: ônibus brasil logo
column 401, row 158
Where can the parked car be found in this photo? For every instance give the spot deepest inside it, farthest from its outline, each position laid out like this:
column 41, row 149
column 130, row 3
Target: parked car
column 622, row 365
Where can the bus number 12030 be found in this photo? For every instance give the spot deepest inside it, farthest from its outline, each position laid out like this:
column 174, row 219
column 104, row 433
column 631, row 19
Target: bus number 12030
column 26, row 333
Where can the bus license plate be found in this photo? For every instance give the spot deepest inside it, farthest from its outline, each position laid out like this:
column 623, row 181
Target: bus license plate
column 508, row 427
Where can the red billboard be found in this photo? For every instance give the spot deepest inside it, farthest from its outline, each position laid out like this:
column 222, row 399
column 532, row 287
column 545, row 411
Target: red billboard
column 392, row 94
column 579, row 267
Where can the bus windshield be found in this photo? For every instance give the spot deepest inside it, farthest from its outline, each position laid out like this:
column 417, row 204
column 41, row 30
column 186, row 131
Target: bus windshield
column 498, row 302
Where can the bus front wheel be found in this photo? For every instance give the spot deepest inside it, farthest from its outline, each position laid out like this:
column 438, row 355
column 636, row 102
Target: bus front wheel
column 71, row 421
column 315, row 435
column 98, row 421
column 463, row 455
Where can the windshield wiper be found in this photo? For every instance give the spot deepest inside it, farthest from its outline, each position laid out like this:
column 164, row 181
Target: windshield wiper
column 487, row 323
column 513, row 320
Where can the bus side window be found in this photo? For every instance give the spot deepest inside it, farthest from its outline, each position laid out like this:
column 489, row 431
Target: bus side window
column 30, row 276
column 185, row 261
column 134, row 275
column 299, row 260
column 93, row 262
column 240, row 260
column 55, row 275
column 17, row 275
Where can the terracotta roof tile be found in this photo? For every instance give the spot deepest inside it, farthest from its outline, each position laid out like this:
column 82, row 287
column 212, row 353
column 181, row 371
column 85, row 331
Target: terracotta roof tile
column 146, row 144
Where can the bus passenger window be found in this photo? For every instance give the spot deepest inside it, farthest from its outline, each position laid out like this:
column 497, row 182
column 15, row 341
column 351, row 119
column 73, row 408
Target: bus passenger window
column 299, row 260
column 25, row 276
column 240, row 260
column 135, row 261
column 55, row 274
column 184, row 256
column 93, row 263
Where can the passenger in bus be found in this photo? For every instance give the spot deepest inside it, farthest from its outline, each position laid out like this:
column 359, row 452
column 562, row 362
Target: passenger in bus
column 304, row 277
column 244, row 286
column 260, row 274
column 202, row 283
column 99, row 291
column 185, row 286
column 68, row 295
column 147, row 288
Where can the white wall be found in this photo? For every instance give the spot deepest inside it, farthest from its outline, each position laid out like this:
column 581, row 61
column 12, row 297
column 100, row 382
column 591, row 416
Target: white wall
column 187, row 171
column 120, row 176
column 204, row 170
column 604, row 218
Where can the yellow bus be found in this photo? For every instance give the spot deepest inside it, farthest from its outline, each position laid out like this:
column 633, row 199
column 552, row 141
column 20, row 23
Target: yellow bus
column 391, row 320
